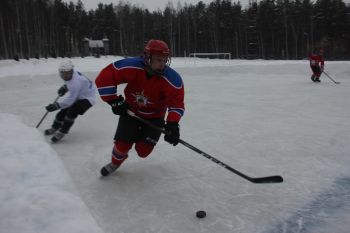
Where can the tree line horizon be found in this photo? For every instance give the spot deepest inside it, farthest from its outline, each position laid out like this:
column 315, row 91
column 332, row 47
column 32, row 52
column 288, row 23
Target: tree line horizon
column 268, row 29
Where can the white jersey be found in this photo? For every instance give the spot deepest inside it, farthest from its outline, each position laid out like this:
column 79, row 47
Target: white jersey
column 79, row 87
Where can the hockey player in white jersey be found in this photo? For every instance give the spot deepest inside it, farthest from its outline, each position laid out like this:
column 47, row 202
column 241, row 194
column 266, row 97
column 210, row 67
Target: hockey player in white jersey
column 82, row 96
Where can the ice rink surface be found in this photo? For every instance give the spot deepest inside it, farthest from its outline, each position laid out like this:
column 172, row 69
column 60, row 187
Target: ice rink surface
column 260, row 117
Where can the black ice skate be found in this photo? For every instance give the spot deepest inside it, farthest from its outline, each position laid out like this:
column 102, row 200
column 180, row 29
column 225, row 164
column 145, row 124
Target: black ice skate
column 108, row 169
column 50, row 131
column 58, row 136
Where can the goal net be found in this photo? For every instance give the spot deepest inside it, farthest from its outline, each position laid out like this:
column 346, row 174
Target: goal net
column 211, row 55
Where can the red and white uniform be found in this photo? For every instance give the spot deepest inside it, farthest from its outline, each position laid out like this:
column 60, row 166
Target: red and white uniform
column 147, row 97
column 316, row 64
column 316, row 60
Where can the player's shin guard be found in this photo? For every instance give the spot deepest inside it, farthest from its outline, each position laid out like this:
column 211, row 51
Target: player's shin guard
column 120, row 152
column 143, row 149
column 68, row 122
column 57, row 124
column 119, row 155
column 118, row 158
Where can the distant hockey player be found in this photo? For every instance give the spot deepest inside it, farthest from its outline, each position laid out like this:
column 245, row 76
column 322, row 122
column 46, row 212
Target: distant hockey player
column 82, row 95
column 152, row 90
column 317, row 65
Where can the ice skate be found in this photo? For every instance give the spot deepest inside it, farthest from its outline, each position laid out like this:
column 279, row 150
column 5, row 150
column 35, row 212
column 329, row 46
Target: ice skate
column 108, row 169
column 58, row 136
column 50, row 131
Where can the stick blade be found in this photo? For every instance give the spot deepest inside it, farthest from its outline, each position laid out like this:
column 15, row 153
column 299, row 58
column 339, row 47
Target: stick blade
column 268, row 179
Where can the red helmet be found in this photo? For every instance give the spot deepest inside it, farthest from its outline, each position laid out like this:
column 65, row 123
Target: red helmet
column 157, row 47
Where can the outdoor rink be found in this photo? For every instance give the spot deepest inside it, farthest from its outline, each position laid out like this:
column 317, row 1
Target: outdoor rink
column 260, row 117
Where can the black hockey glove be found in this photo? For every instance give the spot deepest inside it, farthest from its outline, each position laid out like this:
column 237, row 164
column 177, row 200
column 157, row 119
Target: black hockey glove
column 62, row 90
column 119, row 106
column 52, row 107
column 173, row 133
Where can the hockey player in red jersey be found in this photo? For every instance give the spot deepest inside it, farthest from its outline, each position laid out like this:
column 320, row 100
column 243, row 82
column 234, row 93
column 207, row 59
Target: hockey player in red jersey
column 317, row 65
column 153, row 90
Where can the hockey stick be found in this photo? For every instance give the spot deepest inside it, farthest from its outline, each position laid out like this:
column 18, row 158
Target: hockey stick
column 258, row 180
column 47, row 112
column 330, row 78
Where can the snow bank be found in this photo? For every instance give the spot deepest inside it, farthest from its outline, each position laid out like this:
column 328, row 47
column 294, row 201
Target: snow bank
column 36, row 193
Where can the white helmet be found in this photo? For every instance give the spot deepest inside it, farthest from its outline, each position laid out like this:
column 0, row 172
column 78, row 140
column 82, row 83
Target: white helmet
column 66, row 66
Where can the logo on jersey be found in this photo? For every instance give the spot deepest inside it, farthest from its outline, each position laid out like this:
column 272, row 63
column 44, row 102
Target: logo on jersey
column 141, row 99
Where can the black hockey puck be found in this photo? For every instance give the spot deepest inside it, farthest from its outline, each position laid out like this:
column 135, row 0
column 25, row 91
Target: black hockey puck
column 201, row 214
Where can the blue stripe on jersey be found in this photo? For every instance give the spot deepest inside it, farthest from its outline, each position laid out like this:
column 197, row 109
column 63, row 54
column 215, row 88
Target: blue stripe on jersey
column 107, row 91
column 137, row 62
column 173, row 77
column 178, row 110
column 129, row 62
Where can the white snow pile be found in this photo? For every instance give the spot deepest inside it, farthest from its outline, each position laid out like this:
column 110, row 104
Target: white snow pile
column 36, row 193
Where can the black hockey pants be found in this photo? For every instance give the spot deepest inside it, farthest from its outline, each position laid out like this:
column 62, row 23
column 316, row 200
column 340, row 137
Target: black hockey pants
column 65, row 117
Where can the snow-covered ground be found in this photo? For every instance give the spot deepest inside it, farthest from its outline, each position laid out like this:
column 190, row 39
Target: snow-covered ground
column 260, row 117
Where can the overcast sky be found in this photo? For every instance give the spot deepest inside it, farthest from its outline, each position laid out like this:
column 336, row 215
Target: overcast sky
column 150, row 4
column 153, row 4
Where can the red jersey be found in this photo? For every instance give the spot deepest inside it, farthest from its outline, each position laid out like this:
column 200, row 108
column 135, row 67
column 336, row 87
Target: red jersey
column 147, row 97
column 316, row 60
